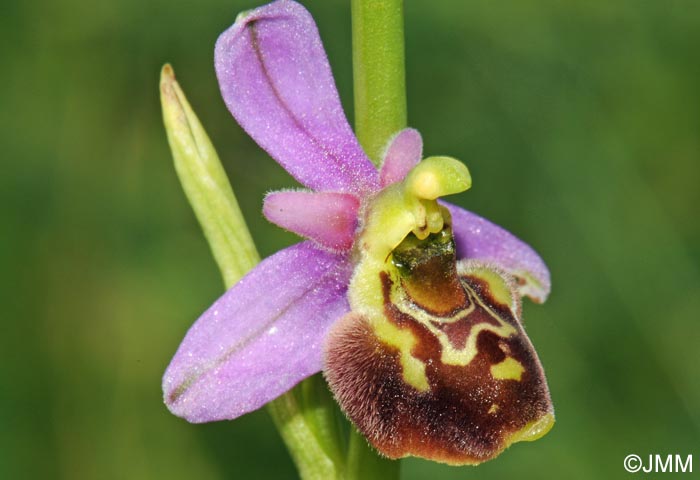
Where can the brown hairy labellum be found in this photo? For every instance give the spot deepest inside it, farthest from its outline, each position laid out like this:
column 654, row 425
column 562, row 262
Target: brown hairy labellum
column 446, row 372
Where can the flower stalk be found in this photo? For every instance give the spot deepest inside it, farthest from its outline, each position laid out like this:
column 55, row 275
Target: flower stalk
column 379, row 73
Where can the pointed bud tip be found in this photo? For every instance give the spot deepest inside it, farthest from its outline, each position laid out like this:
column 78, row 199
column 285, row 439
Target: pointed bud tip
column 167, row 79
column 167, row 71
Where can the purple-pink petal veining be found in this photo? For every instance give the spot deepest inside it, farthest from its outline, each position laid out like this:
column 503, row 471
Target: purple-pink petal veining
column 404, row 152
column 276, row 81
column 476, row 237
column 328, row 218
column 259, row 339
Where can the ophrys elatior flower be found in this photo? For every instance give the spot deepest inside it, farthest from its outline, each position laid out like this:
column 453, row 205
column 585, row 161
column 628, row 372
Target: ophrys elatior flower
column 410, row 306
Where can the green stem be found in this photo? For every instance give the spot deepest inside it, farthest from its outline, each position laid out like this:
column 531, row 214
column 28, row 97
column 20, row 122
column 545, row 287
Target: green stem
column 379, row 73
column 379, row 80
column 307, row 420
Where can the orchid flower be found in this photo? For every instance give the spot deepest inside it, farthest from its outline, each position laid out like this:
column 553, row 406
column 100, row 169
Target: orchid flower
column 409, row 305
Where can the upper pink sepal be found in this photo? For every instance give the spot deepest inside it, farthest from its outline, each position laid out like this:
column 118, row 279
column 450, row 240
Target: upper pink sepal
column 328, row 218
column 276, row 81
column 404, row 152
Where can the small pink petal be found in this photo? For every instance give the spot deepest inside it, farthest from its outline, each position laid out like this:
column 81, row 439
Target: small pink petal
column 404, row 152
column 330, row 219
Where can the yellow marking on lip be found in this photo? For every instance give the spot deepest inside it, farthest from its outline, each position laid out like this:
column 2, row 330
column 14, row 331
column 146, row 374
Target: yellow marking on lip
column 414, row 372
column 499, row 289
column 508, row 369
column 367, row 298
column 494, row 409
column 413, row 369
column 460, row 357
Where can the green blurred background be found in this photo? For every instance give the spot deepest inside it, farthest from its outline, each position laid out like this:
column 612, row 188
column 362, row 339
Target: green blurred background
column 579, row 120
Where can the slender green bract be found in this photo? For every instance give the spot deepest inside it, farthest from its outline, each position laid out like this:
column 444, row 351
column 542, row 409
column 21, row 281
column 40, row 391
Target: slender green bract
column 379, row 73
column 379, row 85
column 205, row 183
column 306, row 416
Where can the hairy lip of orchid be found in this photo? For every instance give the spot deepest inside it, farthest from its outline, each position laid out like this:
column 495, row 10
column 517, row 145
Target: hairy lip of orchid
column 410, row 306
